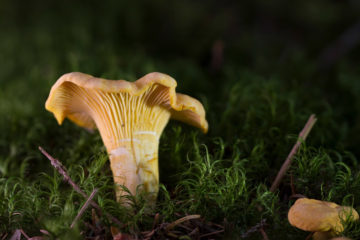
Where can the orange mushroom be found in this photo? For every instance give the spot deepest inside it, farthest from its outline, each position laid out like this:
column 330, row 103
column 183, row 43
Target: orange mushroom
column 130, row 117
column 324, row 218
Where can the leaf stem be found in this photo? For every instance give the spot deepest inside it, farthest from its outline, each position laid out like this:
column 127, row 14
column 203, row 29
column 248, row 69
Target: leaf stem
column 84, row 207
column 286, row 165
column 61, row 169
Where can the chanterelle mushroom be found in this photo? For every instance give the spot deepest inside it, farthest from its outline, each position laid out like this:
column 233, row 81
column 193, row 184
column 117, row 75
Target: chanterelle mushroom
column 324, row 218
column 130, row 117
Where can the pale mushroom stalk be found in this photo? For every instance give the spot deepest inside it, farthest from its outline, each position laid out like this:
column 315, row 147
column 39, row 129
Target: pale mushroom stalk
column 131, row 144
column 130, row 118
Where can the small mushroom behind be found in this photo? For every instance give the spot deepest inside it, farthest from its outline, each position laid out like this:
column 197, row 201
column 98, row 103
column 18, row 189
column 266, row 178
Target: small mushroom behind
column 324, row 218
column 130, row 117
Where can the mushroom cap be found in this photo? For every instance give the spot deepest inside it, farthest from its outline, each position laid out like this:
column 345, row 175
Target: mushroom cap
column 182, row 107
column 320, row 216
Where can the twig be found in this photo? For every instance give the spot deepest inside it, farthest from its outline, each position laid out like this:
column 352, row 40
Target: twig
column 23, row 233
column 183, row 219
column 189, row 229
column 302, row 136
column 263, row 233
column 16, row 235
column 60, row 168
column 4, row 236
column 195, row 231
column 36, row 238
column 173, row 235
column 217, row 225
column 286, row 165
column 309, row 236
column 43, row 231
column 156, row 220
column 255, row 228
column 84, row 207
column 148, row 234
column 212, row 233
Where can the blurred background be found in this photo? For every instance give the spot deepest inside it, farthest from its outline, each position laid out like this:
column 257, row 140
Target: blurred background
column 207, row 46
column 258, row 34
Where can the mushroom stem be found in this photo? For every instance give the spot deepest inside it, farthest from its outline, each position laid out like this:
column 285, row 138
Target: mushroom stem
column 135, row 163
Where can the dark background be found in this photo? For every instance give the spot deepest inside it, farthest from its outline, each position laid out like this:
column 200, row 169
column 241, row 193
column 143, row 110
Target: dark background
column 255, row 34
column 207, row 46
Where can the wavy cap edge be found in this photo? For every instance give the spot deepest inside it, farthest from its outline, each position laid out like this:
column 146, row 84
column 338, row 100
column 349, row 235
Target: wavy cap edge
column 183, row 107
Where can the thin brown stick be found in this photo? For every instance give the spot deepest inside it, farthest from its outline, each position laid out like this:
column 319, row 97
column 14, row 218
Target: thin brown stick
column 286, row 165
column 4, row 236
column 156, row 220
column 263, row 233
column 25, row 235
column 210, row 234
column 16, row 235
column 84, row 207
column 309, row 236
column 43, row 231
column 61, row 169
column 253, row 229
column 194, row 232
column 183, row 219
